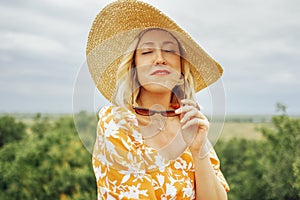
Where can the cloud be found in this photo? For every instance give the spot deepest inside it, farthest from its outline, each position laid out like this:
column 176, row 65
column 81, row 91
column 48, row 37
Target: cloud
column 31, row 44
column 256, row 42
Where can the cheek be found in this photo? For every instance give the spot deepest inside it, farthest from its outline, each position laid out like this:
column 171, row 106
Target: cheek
column 176, row 63
column 141, row 73
column 139, row 62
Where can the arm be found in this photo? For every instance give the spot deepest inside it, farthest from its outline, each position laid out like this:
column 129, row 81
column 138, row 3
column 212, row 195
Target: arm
column 208, row 178
column 195, row 129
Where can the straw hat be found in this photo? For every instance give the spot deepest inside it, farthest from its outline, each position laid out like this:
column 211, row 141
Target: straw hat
column 115, row 29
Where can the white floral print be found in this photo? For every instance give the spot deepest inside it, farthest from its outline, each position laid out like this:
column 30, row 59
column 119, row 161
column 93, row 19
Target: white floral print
column 125, row 168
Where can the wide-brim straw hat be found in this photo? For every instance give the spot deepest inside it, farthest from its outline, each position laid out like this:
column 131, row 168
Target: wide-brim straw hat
column 115, row 29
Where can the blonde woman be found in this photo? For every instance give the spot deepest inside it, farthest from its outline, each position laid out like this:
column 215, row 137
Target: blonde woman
column 152, row 141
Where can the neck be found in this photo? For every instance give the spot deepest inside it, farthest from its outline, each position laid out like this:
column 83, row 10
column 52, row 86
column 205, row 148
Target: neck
column 148, row 100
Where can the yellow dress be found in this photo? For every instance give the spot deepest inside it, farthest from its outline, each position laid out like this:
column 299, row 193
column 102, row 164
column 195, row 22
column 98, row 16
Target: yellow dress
column 126, row 168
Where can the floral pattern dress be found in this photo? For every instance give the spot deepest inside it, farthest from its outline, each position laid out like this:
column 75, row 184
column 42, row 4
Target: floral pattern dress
column 126, row 168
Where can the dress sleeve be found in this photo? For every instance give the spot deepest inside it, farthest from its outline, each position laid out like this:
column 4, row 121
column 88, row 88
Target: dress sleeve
column 117, row 158
column 216, row 166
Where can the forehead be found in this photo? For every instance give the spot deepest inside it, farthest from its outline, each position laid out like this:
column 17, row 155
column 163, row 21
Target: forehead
column 157, row 36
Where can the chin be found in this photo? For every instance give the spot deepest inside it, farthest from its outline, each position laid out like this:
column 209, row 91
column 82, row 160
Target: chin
column 158, row 88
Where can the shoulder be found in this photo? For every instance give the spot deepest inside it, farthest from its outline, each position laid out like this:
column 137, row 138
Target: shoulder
column 118, row 120
column 113, row 109
column 116, row 113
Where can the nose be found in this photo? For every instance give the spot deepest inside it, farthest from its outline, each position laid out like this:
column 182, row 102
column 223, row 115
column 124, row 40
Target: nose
column 159, row 59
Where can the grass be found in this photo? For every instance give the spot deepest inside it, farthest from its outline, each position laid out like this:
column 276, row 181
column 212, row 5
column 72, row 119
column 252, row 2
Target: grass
column 246, row 127
column 246, row 130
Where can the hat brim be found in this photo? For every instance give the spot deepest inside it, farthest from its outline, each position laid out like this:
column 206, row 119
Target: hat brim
column 114, row 31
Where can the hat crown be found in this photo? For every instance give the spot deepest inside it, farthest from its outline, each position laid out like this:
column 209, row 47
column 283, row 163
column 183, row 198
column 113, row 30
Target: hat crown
column 135, row 15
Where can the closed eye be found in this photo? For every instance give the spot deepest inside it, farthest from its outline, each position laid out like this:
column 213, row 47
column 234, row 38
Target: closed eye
column 169, row 50
column 146, row 52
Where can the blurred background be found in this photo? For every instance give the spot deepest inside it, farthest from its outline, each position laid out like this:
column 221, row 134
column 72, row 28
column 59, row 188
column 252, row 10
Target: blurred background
column 46, row 140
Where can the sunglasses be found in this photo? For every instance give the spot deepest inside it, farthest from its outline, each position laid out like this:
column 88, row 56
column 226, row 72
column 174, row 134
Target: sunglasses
column 149, row 112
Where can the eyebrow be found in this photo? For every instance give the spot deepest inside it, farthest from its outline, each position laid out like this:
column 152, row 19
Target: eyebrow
column 152, row 43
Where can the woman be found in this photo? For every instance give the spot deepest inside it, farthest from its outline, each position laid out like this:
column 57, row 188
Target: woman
column 152, row 142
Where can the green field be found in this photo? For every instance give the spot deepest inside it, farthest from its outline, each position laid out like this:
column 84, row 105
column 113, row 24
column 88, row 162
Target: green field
column 244, row 126
column 247, row 130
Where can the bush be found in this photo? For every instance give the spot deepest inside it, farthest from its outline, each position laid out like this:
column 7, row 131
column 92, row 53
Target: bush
column 243, row 166
column 282, row 158
column 265, row 169
column 54, row 166
column 10, row 130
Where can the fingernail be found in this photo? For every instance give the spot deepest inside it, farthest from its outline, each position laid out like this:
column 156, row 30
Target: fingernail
column 178, row 110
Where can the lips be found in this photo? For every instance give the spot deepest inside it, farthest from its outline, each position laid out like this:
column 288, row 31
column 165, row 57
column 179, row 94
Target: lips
column 161, row 72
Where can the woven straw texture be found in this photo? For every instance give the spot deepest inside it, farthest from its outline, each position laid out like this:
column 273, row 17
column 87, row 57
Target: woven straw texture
column 114, row 31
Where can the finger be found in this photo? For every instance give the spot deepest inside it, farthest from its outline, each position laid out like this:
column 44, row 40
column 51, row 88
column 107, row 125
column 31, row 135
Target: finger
column 191, row 103
column 202, row 116
column 203, row 124
column 188, row 102
column 190, row 115
column 186, row 108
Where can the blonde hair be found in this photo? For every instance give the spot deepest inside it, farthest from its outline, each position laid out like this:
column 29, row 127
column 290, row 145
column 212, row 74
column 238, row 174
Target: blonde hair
column 127, row 84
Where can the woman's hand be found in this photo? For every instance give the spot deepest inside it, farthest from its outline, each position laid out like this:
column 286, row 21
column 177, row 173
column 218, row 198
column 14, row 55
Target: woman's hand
column 194, row 125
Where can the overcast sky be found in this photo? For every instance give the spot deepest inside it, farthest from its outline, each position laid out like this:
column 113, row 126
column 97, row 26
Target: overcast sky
column 42, row 49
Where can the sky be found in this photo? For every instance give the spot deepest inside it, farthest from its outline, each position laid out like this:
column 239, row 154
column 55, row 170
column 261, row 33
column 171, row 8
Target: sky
column 42, row 51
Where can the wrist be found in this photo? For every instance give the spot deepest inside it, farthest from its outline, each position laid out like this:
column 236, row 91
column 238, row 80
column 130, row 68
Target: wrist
column 204, row 152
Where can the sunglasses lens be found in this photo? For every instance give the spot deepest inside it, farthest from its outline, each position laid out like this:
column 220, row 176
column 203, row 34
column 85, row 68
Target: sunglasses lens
column 169, row 113
column 143, row 111
column 147, row 112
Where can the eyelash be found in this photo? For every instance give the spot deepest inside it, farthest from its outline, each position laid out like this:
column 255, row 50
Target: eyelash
column 168, row 51
column 147, row 52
